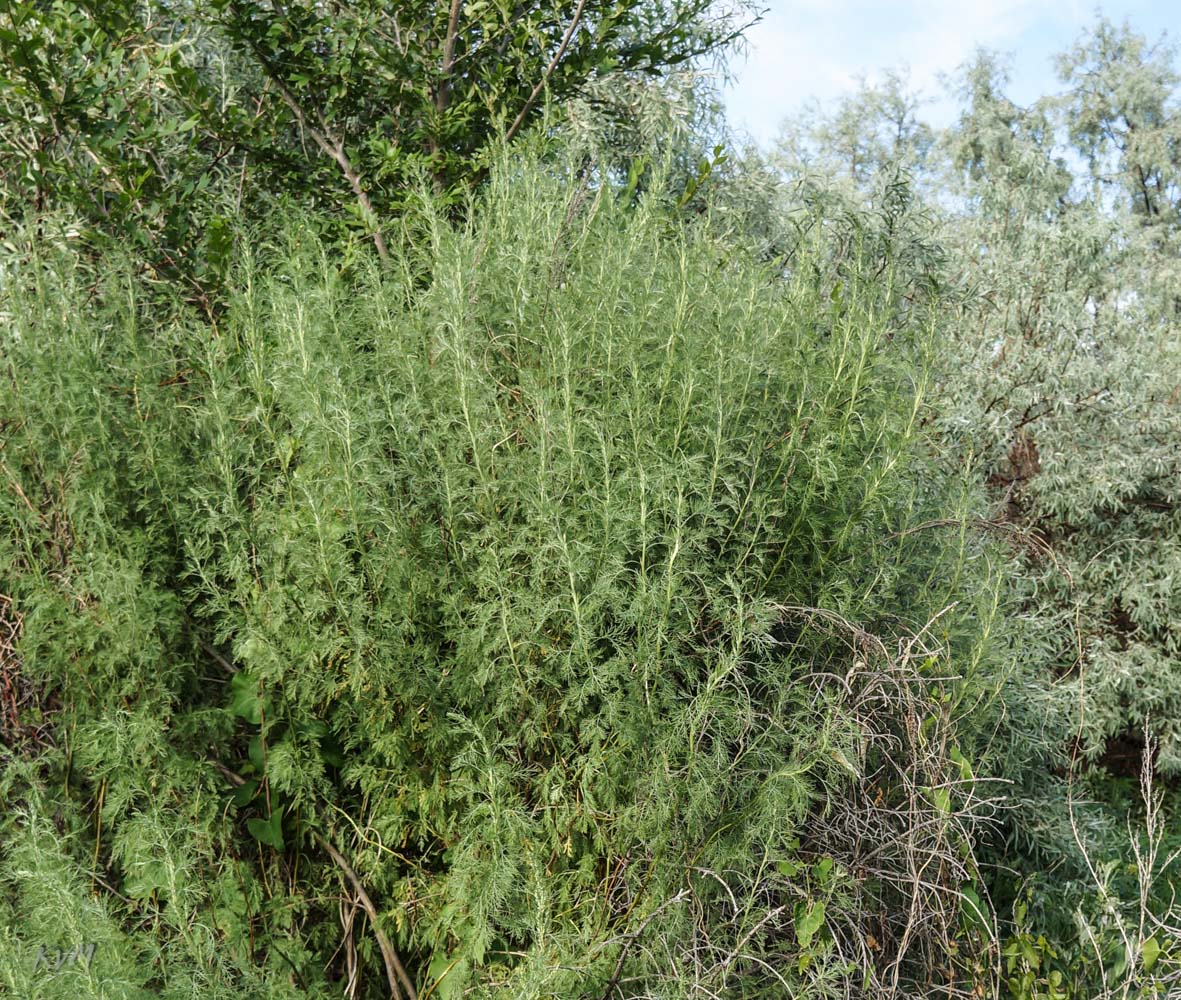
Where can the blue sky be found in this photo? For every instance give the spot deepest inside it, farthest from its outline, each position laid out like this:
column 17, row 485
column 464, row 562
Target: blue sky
column 813, row 48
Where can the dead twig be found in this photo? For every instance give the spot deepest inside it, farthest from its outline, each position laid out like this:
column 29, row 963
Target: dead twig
column 395, row 971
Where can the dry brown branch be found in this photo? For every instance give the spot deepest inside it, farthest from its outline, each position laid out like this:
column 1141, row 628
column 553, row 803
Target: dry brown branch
column 867, row 641
column 1013, row 531
column 348, row 915
column 1151, row 870
column 331, row 145
column 630, row 938
column 16, row 692
column 900, row 821
column 393, row 965
column 892, row 827
column 395, row 971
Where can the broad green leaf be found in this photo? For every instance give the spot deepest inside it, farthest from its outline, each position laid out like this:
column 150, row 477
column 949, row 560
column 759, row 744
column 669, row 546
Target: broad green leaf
column 244, row 794
column 245, row 698
column 809, row 920
column 789, row 869
column 268, row 831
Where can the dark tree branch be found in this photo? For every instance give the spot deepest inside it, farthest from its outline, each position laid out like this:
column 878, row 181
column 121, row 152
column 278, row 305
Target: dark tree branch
column 549, row 70
column 329, row 144
column 444, row 94
column 393, row 966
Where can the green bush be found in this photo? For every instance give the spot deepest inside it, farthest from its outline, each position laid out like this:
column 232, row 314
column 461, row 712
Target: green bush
column 590, row 602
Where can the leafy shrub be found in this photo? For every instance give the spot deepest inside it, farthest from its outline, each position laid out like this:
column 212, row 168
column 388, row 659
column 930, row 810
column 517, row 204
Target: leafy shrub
column 587, row 606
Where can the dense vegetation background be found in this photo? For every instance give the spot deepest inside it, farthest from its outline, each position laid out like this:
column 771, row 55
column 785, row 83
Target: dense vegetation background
column 472, row 529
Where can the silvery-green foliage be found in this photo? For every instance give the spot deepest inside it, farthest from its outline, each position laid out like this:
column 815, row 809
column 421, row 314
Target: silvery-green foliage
column 1062, row 357
column 1066, row 372
column 877, row 127
column 1059, row 389
column 671, row 134
column 1062, row 386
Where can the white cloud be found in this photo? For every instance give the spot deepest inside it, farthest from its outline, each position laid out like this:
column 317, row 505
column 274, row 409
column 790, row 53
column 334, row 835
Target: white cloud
column 815, row 48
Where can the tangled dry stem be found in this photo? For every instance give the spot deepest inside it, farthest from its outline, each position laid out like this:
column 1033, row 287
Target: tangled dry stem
column 910, row 850
column 908, row 825
column 1153, row 868
column 18, row 696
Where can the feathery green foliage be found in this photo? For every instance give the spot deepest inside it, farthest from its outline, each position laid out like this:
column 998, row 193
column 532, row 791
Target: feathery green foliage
column 552, row 593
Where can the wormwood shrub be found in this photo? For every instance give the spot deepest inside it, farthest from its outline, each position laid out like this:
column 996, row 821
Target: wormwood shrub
column 584, row 607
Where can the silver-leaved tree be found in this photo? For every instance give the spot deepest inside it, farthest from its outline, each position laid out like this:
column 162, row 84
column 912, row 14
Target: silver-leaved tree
column 1060, row 389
